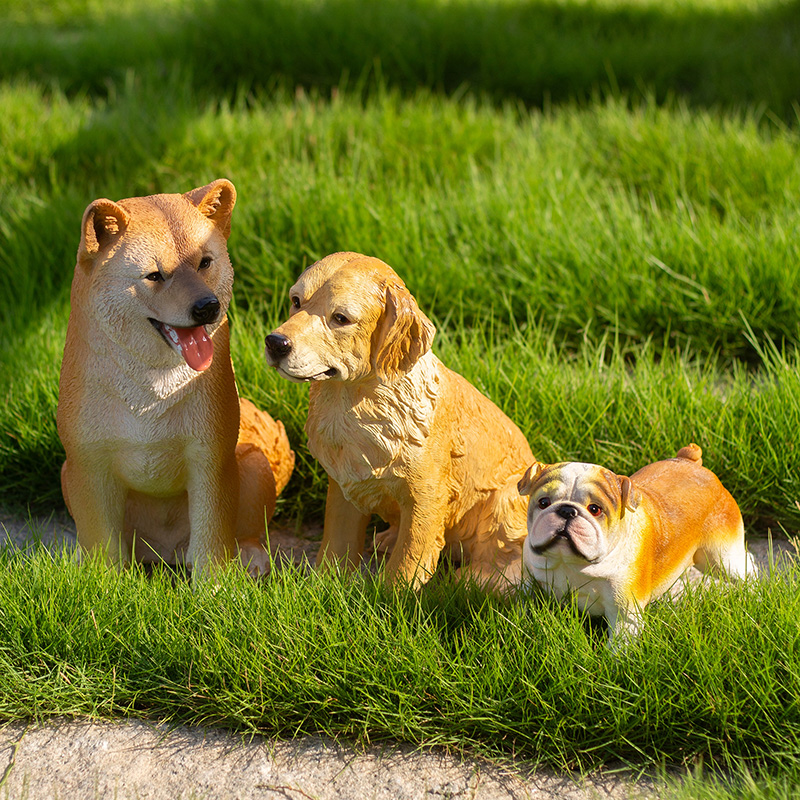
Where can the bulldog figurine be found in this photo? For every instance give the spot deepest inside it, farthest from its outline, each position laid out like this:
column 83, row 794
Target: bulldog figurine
column 617, row 543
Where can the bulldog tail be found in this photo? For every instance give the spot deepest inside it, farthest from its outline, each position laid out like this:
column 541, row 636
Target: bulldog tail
column 691, row 453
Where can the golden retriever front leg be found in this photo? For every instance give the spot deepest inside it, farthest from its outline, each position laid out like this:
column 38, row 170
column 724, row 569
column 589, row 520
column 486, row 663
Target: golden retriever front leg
column 213, row 491
column 96, row 501
column 420, row 539
column 344, row 532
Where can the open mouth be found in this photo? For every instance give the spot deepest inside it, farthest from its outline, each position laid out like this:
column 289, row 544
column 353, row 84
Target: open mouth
column 193, row 344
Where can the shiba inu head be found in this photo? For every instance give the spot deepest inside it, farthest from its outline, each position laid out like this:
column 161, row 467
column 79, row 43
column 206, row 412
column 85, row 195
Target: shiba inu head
column 154, row 272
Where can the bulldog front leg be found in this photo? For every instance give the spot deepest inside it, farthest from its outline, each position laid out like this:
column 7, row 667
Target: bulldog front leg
column 344, row 532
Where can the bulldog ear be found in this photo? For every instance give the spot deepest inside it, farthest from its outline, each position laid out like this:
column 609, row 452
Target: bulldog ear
column 631, row 496
column 104, row 222
column 404, row 334
column 215, row 201
column 527, row 481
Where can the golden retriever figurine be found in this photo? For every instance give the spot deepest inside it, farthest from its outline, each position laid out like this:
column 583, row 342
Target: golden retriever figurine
column 617, row 543
column 159, row 447
column 398, row 433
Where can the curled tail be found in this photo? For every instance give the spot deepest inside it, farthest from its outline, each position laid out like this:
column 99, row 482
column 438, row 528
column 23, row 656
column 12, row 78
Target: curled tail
column 259, row 429
column 691, row 453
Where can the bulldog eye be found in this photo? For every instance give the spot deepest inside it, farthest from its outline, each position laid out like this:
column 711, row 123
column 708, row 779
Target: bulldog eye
column 595, row 509
column 155, row 277
column 543, row 502
column 295, row 302
column 341, row 319
column 205, row 262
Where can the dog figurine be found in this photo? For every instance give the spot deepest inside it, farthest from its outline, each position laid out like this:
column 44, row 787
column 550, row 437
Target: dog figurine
column 159, row 448
column 617, row 543
column 398, row 433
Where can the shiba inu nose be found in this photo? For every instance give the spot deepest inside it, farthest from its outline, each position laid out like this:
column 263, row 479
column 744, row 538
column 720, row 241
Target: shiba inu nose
column 205, row 310
column 567, row 512
column 278, row 345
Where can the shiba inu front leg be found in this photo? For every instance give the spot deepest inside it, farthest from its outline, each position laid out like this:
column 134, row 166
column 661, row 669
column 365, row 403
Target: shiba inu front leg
column 213, row 500
column 96, row 502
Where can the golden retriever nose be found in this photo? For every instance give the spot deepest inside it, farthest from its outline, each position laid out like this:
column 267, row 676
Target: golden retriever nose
column 567, row 512
column 205, row 310
column 277, row 345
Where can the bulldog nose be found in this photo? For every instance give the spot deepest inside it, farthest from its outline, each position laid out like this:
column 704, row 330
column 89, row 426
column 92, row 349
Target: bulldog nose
column 205, row 310
column 277, row 345
column 567, row 512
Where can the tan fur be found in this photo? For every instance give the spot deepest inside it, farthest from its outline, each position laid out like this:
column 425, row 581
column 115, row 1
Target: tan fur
column 650, row 528
column 151, row 442
column 398, row 433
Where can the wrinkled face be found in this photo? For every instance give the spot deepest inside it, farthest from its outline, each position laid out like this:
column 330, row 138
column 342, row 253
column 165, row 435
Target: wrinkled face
column 160, row 276
column 572, row 508
column 351, row 317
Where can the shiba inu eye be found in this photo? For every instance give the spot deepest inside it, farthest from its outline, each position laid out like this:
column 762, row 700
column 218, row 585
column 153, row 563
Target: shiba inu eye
column 205, row 263
column 595, row 509
column 295, row 302
column 341, row 319
column 543, row 502
column 155, row 277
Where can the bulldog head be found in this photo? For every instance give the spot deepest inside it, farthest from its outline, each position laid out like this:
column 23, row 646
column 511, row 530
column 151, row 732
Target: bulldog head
column 575, row 509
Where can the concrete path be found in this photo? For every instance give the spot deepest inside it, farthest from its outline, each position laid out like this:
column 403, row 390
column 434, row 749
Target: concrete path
column 138, row 760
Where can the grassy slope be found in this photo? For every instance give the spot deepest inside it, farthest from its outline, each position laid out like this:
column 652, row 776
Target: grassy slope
column 610, row 271
column 564, row 256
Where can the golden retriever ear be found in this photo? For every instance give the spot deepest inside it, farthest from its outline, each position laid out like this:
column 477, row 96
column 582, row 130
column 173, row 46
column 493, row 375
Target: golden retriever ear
column 404, row 334
column 104, row 222
column 631, row 496
column 528, row 480
column 215, row 201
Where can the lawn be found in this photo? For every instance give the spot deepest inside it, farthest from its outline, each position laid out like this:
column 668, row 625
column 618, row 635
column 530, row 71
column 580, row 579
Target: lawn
column 597, row 204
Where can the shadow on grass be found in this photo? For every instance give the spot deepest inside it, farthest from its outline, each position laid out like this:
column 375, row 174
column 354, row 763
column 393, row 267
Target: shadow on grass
column 538, row 52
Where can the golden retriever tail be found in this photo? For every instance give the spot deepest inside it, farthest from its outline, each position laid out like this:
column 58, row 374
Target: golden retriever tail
column 258, row 428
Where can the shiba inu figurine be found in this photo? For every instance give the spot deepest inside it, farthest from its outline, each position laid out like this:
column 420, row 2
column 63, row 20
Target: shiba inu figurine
column 160, row 451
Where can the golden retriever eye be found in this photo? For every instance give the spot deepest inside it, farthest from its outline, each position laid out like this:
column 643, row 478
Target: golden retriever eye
column 543, row 502
column 341, row 319
column 205, row 262
column 595, row 509
column 155, row 277
column 295, row 302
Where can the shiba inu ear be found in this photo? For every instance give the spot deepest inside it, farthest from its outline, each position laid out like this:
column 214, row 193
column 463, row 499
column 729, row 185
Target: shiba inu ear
column 527, row 481
column 215, row 201
column 104, row 221
column 404, row 334
column 631, row 496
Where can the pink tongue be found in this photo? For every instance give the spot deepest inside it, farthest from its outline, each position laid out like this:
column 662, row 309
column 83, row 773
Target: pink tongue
column 194, row 345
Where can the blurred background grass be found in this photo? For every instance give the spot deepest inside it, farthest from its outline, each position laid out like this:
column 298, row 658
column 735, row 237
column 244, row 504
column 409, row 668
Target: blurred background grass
column 595, row 201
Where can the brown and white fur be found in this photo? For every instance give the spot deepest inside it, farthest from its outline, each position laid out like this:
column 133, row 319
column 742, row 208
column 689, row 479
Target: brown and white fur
column 616, row 543
column 398, row 433
column 148, row 411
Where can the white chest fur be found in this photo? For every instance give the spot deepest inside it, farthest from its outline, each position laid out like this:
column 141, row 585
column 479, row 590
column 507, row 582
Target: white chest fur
column 562, row 574
column 371, row 431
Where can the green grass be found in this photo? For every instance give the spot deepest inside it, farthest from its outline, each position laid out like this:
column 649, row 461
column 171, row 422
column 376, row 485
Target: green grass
column 713, row 676
column 597, row 203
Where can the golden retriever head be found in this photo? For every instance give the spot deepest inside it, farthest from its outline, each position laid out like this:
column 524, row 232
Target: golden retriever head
column 352, row 318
